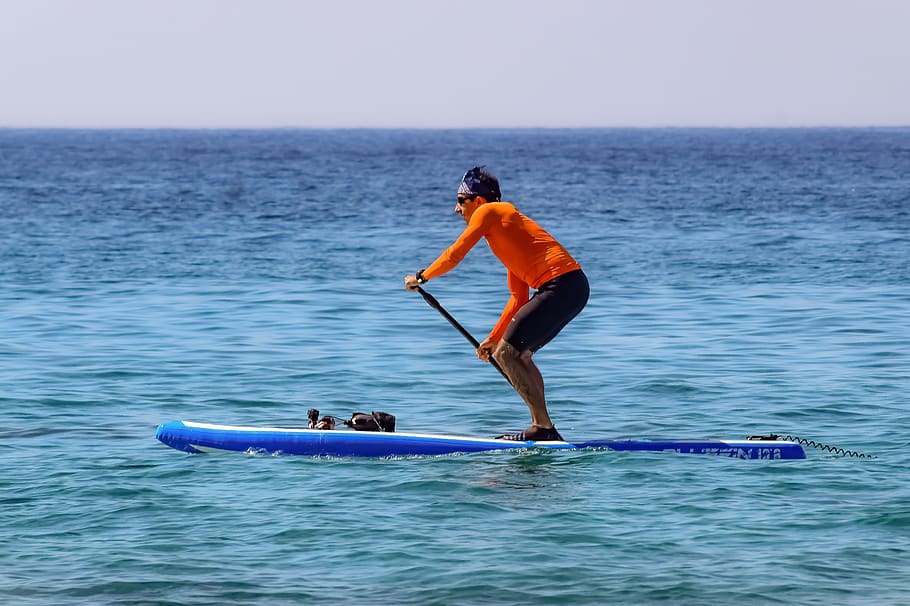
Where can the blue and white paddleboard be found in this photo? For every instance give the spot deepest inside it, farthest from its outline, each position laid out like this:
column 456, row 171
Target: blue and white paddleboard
column 205, row 437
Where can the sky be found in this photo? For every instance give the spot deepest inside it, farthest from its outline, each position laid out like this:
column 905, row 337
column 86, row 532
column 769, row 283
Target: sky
column 454, row 63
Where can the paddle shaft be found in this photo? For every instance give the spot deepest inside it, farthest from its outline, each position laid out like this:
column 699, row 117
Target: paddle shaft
column 431, row 300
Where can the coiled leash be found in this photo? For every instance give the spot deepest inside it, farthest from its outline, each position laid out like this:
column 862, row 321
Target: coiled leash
column 812, row 443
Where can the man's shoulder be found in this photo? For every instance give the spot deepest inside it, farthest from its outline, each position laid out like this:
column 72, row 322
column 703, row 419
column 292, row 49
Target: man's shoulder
column 498, row 208
column 493, row 213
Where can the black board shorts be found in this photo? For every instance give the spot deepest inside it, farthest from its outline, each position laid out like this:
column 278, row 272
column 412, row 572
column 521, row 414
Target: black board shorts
column 553, row 306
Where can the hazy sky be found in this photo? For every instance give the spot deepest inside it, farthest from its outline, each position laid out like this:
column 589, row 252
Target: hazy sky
column 451, row 63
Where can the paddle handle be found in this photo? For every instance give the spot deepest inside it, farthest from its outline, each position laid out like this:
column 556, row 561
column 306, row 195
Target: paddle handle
column 431, row 300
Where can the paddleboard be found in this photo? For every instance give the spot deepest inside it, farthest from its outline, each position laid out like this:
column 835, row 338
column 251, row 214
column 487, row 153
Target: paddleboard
column 189, row 436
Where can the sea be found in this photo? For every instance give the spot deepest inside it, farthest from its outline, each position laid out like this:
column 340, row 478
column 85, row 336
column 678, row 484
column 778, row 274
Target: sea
column 744, row 281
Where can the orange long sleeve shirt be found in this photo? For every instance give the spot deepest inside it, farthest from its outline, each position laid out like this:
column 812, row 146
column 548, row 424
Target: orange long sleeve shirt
column 531, row 255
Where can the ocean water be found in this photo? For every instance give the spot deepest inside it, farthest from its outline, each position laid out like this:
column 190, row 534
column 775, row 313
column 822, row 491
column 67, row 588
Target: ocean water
column 743, row 281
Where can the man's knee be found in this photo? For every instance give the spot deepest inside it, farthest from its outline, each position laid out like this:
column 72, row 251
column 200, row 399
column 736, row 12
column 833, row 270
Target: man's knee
column 505, row 353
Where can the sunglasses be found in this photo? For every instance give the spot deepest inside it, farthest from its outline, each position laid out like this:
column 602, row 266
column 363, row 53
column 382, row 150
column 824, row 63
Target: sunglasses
column 462, row 199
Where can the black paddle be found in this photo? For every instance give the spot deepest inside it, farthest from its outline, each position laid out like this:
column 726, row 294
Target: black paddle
column 438, row 307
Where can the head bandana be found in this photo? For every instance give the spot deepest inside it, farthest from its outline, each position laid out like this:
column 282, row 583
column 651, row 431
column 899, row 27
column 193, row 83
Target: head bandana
column 474, row 184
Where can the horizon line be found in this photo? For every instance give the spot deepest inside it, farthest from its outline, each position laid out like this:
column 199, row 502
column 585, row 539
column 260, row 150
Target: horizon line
column 463, row 128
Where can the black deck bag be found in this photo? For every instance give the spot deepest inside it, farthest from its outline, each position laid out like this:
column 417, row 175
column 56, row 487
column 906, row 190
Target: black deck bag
column 376, row 421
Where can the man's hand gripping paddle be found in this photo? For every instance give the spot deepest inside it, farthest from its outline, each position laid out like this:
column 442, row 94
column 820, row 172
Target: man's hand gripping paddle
column 431, row 300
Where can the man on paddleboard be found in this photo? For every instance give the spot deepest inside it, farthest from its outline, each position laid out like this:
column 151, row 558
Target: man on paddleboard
column 534, row 259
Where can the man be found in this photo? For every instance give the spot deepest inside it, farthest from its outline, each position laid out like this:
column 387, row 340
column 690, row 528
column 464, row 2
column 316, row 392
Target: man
column 533, row 259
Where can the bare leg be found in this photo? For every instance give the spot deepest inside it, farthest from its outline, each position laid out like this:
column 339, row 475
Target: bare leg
column 526, row 379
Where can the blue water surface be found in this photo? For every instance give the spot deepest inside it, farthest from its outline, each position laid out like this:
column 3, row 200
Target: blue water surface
column 743, row 281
